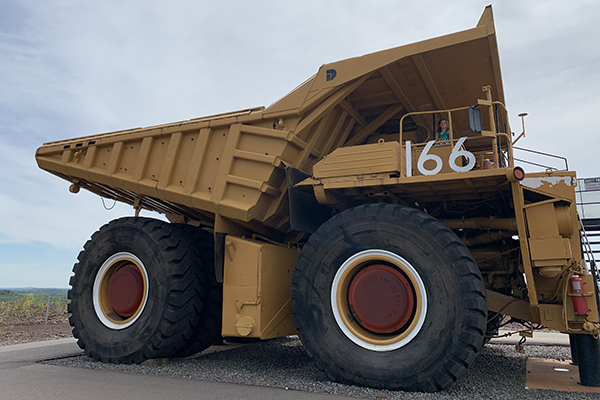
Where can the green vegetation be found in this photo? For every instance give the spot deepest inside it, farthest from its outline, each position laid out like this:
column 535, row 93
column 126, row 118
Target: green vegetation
column 7, row 295
column 16, row 294
column 25, row 306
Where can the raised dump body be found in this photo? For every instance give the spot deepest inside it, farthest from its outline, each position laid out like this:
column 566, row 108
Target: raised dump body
column 376, row 211
column 233, row 164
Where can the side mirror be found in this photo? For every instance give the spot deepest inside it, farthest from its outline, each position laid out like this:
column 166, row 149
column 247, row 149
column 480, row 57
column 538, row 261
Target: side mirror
column 475, row 121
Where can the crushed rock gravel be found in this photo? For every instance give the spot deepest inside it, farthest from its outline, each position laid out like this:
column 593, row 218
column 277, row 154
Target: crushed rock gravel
column 497, row 373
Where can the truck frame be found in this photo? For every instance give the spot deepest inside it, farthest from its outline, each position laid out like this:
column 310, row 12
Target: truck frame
column 337, row 214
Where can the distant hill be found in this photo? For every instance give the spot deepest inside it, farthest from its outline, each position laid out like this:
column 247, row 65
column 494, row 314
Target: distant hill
column 16, row 294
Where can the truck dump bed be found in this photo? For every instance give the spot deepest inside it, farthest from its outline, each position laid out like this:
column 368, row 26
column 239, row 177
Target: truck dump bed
column 234, row 164
column 399, row 164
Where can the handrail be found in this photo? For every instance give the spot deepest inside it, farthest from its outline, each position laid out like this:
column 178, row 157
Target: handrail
column 449, row 111
column 508, row 128
column 495, row 149
column 536, row 164
column 544, row 154
column 582, row 195
column 589, row 257
column 509, row 150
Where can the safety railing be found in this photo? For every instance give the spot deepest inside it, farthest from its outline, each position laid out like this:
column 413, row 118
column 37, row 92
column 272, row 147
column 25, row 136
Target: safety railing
column 545, row 156
column 588, row 200
column 485, row 149
column 589, row 234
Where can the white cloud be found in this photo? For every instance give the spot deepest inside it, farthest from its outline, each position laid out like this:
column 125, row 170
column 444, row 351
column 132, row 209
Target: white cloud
column 39, row 207
column 71, row 68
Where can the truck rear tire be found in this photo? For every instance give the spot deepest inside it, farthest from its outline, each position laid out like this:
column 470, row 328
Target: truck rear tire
column 208, row 330
column 388, row 297
column 133, row 292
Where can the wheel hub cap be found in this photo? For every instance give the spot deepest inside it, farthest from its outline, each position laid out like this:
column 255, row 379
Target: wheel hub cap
column 381, row 298
column 126, row 290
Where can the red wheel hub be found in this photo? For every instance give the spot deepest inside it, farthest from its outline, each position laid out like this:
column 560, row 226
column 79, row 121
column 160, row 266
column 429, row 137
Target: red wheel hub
column 382, row 299
column 126, row 290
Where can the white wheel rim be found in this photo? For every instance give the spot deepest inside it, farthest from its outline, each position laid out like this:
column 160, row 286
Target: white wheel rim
column 100, row 280
column 407, row 269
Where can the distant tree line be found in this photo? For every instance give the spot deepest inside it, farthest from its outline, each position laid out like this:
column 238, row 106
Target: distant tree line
column 17, row 294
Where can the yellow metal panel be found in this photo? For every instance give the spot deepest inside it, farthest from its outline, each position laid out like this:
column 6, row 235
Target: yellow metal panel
column 197, row 161
column 256, row 284
column 115, row 158
column 508, row 305
column 291, row 100
column 551, row 316
column 549, row 249
column 372, row 127
column 166, row 171
column 328, row 104
column 226, row 160
column 142, row 159
column 519, row 203
column 156, row 159
column 277, row 265
column 90, row 157
column 555, row 184
column 541, row 220
column 360, row 160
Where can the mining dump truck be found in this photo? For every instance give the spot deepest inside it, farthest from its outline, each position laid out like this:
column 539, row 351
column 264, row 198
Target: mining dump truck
column 339, row 214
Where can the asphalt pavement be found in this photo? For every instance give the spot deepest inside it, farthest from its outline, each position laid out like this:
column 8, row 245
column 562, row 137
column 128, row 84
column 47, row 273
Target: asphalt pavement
column 23, row 377
column 261, row 370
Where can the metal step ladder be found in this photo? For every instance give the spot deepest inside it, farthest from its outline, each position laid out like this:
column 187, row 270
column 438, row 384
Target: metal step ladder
column 590, row 245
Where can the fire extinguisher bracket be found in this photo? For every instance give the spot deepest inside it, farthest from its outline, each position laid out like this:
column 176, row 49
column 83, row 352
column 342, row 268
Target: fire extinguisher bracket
column 578, row 295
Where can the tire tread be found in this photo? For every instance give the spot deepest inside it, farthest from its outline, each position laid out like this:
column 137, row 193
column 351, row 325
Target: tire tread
column 180, row 315
column 474, row 311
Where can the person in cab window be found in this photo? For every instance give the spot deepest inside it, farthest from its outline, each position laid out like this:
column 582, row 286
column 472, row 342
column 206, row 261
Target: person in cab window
column 443, row 133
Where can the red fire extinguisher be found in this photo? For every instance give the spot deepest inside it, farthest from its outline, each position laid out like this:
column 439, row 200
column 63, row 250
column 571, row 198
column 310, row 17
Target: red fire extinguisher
column 579, row 302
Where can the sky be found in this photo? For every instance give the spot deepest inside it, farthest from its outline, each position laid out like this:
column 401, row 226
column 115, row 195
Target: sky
column 72, row 68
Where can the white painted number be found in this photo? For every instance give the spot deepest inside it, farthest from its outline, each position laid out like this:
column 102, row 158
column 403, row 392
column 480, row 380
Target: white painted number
column 457, row 154
column 426, row 157
column 408, row 159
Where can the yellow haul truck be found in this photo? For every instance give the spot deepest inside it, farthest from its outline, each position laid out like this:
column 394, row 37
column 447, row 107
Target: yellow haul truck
column 340, row 214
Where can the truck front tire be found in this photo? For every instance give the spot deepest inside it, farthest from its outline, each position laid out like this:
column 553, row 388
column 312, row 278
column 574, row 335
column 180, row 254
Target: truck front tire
column 388, row 297
column 133, row 293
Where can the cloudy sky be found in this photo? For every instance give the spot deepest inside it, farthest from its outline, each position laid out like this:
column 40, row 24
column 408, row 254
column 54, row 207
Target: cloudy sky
column 71, row 68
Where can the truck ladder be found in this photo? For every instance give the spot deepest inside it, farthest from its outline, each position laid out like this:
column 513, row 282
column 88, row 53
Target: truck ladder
column 588, row 253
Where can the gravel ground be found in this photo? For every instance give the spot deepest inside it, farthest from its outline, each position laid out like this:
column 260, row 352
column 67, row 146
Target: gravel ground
column 498, row 372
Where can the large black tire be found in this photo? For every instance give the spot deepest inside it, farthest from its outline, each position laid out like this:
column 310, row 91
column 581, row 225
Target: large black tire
column 208, row 330
column 339, row 288
column 133, row 293
column 586, row 349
